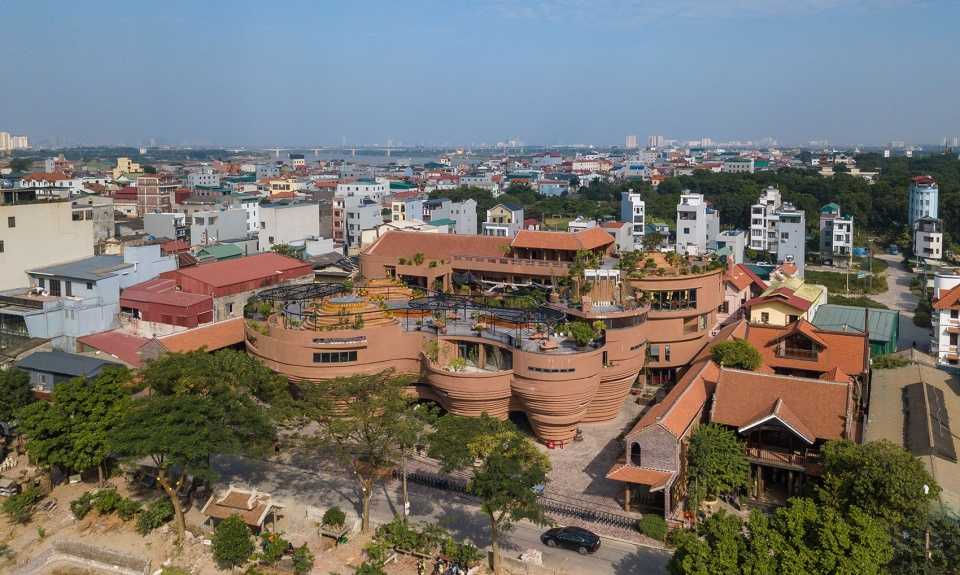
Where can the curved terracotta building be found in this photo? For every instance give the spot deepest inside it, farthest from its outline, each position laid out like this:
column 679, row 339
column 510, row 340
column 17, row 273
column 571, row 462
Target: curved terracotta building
column 470, row 359
column 472, row 356
column 684, row 302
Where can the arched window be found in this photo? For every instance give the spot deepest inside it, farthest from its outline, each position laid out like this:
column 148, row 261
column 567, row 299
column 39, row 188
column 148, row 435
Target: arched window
column 635, row 454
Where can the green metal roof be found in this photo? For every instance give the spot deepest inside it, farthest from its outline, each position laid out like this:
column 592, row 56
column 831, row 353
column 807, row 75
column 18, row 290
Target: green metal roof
column 221, row 251
column 443, row 222
column 883, row 322
column 401, row 186
column 830, row 208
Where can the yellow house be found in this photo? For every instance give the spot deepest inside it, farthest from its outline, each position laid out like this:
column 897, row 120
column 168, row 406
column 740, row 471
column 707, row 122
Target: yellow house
column 787, row 301
column 126, row 166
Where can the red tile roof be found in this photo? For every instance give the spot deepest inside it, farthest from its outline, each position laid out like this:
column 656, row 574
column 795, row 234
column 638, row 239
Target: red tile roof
column 845, row 350
column 684, row 402
column 174, row 246
column 613, row 225
column 653, row 478
column 757, row 280
column 402, row 244
column 123, row 346
column 47, row 177
column 737, row 276
column 588, row 239
column 813, row 408
column 162, row 291
column 211, row 337
column 949, row 299
column 783, row 295
column 240, row 270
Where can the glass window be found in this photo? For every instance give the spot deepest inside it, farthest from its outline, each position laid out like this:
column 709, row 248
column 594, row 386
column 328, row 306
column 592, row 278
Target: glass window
column 335, row 356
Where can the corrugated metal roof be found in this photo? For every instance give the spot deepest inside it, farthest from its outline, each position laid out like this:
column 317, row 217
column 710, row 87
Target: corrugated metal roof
column 64, row 363
column 89, row 269
column 883, row 322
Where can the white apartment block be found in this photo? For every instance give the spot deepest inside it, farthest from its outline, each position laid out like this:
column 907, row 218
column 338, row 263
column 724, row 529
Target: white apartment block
column 633, row 211
column 366, row 189
column 287, row 222
column 836, row 234
column 928, row 238
column 945, row 319
column 697, row 224
column 763, row 221
column 203, row 176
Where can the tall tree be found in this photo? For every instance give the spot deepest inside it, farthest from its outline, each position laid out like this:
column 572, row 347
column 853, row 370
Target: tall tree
column 15, row 392
column 361, row 418
column 73, row 430
column 506, row 466
column 738, row 354
column 184, row 431
column 881, row 478
column 716, row 463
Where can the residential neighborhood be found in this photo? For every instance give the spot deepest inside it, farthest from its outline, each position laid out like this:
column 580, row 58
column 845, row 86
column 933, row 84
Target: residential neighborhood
column 388, row 323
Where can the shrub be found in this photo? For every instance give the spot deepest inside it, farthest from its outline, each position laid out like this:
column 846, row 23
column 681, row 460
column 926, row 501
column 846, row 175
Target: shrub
column 368, row 568
column 273, row 547
column 232, row 545
column 334, row 517
column 890, row 361
column 302, row 560
column 653, row 526
column 106, row 501
column 155, row 515
column 463, row 553
column 82, row 505
column 170, row 570
column 128, row 508
column 19, row 508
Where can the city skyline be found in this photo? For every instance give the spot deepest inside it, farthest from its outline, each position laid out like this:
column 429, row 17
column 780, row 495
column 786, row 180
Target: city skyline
column 547, row 73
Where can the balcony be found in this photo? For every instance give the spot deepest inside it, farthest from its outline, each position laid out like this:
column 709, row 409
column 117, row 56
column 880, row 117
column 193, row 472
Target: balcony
column 787, row 352
column 807, row 460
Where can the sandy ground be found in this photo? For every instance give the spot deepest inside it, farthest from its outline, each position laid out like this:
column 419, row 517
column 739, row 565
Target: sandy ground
column 113, row 533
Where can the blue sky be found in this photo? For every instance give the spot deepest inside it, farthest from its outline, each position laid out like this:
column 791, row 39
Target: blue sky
column 545, row 71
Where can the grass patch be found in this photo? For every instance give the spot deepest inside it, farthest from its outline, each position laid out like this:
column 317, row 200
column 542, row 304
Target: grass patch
column 556, row 224
column 837, row 282
column 857, row 301
column 879, row 266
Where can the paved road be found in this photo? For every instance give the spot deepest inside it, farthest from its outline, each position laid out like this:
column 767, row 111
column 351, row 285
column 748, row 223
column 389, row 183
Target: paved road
column 322, row 485
column 899, row 297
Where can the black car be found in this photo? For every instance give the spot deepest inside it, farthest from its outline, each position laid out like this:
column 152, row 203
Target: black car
column 577, row 538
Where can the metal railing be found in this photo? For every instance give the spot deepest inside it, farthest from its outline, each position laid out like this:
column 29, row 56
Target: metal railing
column 797, row 353
column 783, row 456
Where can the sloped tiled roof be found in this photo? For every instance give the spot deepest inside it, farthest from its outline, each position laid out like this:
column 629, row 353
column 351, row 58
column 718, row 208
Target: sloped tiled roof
column 402, row 244
column 653, row 478
column 211, row 337
column 683, row 402
column 847, row 351
column 815, row 408
column 949, row 299
column 588, row 239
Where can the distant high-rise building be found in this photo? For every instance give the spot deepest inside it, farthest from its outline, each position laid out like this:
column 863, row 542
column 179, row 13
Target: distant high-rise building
column 955, row 142
column 655, row 141
column 632, row 142
column 924, row 199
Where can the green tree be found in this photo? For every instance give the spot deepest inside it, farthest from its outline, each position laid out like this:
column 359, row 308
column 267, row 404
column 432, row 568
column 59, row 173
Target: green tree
column 184, row 431
column 73, row 430
column 715, row 463
column 652, row 241
column 506, row 466
column 361, row 418
column 581, row 332
column 881, row 478
column 20, row 164
column 738, row 354
column 284, row 250
column 15, row 392
column 232, row 543
column 802, row 538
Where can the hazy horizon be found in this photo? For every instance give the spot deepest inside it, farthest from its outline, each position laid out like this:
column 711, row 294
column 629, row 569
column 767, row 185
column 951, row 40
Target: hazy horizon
column 545, row 72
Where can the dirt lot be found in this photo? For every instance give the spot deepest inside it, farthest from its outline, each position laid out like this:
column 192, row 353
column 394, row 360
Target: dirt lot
column 27, row 541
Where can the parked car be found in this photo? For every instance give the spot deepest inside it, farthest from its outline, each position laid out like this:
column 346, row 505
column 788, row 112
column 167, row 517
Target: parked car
column 576, row 538
column 893, row 250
